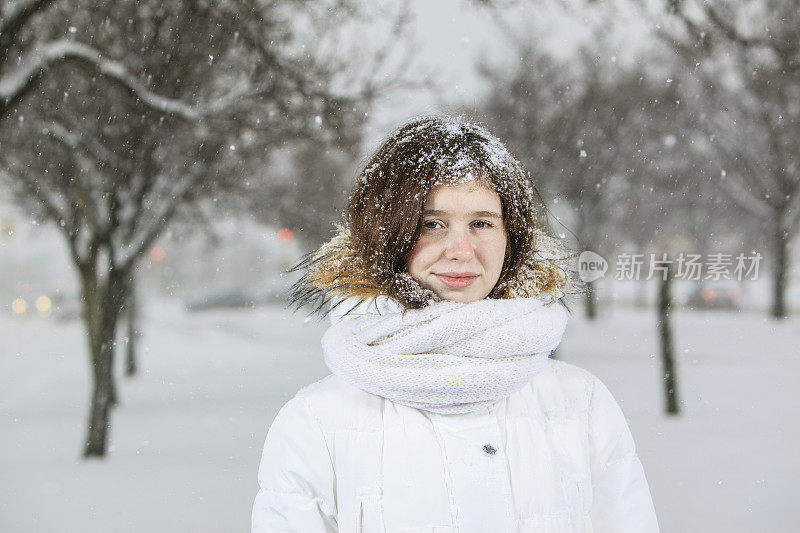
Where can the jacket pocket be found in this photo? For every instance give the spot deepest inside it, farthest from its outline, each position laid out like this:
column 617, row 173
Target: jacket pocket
column 370, row 514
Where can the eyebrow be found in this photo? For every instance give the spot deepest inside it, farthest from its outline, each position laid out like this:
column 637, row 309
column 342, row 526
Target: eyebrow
column 486, row 214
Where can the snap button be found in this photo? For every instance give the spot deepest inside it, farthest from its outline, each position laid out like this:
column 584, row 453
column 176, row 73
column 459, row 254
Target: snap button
column 488, row 448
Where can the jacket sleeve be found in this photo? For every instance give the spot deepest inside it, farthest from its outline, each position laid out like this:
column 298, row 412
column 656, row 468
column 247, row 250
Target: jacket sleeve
column 295, row 477
column 621, row 499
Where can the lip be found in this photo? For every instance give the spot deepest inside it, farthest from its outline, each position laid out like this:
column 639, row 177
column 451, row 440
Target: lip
column 457, row 280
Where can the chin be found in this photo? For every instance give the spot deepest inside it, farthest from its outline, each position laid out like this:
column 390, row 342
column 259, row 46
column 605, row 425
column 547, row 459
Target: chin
column 460, row 297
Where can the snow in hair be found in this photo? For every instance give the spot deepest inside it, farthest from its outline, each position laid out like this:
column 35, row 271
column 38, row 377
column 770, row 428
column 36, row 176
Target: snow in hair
column 447, row 150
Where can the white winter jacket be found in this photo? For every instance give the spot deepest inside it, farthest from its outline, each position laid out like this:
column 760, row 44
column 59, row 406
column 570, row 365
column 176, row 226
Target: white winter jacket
column 556, row 456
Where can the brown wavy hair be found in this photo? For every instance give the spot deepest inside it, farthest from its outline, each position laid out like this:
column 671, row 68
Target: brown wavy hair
column 383, row 217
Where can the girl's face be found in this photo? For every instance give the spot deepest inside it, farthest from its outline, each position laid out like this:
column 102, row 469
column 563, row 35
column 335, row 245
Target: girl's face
column 459, row 254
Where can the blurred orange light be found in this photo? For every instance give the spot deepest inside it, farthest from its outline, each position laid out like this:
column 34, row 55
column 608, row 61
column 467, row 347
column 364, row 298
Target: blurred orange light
column 43, row 304
column 19, row 306
column 708, row 294
column 157, row 253
column 285, row 235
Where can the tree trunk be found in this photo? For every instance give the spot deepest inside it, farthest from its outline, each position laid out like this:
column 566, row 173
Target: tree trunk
column 780, row 246
column 102, row 307
column 99, row 411
column 133, row 330
column 587, row 230
column 667, row 356
column 591, row 300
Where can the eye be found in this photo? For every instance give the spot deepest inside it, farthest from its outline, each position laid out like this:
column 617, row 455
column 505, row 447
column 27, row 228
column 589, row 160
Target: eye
column 431, row 224
column 480, row 224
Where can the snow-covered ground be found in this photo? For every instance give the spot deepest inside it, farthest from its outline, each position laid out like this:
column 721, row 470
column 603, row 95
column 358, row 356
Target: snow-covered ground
column 187, row 436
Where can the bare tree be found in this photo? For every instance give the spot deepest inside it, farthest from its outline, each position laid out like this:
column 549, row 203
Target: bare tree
column 112, row 151
column 746, row 58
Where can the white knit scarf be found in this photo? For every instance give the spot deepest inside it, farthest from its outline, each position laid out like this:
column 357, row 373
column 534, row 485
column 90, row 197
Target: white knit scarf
column 448, row 357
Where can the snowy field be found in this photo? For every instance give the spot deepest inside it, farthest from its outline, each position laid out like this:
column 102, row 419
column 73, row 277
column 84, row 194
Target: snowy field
column 187, row 436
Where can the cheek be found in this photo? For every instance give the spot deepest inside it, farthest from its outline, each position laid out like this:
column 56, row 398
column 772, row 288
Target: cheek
column 495, row 256
column 418, row 258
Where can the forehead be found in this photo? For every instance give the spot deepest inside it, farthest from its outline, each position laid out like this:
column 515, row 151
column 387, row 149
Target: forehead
column 471, row 196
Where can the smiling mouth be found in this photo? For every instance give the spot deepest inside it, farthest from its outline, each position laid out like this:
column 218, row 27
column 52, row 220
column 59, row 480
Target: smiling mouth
column 457, row 281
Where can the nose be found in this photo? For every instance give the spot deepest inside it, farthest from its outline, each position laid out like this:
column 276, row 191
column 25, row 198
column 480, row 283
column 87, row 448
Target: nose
column 459, row 247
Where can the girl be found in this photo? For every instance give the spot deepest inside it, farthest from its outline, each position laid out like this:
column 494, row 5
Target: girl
column 443, row 412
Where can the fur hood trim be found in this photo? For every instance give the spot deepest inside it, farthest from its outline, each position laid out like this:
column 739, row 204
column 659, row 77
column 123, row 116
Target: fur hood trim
column 336, row 272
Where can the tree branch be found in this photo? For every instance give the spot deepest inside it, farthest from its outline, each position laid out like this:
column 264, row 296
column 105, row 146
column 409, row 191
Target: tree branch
column 92, row 211
column 14, row 85
column 733, row 35
column 11, row 24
